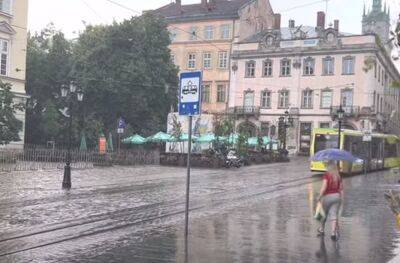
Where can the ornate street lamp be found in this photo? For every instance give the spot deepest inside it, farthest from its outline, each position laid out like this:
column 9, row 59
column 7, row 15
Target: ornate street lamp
column 285, row 122
column 340, row 116
column 69, row 95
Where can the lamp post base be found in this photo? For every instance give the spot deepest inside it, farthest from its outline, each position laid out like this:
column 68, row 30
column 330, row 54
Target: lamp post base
column 67, row 177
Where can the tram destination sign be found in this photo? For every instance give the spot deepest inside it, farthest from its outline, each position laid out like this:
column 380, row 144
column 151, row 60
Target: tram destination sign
column 190, row 93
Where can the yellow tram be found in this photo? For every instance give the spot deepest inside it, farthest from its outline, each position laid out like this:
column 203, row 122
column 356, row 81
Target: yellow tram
column 381, row 153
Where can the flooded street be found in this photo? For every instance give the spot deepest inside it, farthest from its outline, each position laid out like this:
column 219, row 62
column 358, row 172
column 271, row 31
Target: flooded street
column 254, row 214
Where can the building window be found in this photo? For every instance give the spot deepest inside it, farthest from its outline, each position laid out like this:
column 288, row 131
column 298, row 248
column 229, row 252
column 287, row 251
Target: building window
column 309, row 67
column 324, row 125
column 285, row 67
column 173, row 58
column 250, row 69
column 248, row 99
column 267, row 69
column 225, row 31
column 193, row 33
column 348, row 65
column 191, row 61
column 4, row 57
column 266, row 99
column 207, row 60
column 264, row 128
column 283, row 102
column 208, row 32
column 223, row 60
column 172, row 34
column 328, row 65
column 307, row 101
column 347, row 98
column 5, row 6
column 205, row 97
column 326, row 99
column 221, row 93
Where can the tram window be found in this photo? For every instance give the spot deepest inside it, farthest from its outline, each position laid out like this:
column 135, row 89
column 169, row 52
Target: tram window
column 376, row 149
column 325, row 141
column 354, row 145
column 390, row 150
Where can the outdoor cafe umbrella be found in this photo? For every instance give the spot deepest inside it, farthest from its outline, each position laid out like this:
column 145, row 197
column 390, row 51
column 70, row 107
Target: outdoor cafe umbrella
column 110, row 145
column 135, row 139
column 253, row 141
column 333, row 155
column 185, row 137
column 160, row 137
column 233, row 138
column 206, row 138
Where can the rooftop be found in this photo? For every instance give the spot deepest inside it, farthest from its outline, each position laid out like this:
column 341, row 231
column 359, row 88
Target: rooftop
column 217, row 9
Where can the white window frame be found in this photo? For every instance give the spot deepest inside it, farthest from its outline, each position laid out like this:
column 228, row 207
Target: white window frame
column 208, row 32
column 266, row 99
column 309, row 67
column 250, row 69
column 268, row 68
column 328, row 66
column 225, row 31
column 194, row 32
column 285, row 69
column 223, row 91
column 7, row 53
column 307, row 97
column 322, row 99
column 206, row 86
column 348, row 68
column 207, row 60
column 10, row 11
column 283, row 101
column 223, row 59
column 191, row 61
column 173, row 35
column 346, row 103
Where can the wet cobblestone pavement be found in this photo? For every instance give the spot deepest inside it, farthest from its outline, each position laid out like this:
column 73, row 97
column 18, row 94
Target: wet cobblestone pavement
column 254, row 214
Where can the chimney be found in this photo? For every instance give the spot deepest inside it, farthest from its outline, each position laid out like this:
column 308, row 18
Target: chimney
column 178, row 3
column 321, row 20
column 291, row 23
column 277, row 21
column 336, row 25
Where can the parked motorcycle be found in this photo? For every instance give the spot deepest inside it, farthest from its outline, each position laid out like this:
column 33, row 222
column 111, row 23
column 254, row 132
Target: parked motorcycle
column 232, row 160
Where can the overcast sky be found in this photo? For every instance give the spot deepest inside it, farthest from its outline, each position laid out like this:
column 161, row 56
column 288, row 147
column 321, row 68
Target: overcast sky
column 70, row 16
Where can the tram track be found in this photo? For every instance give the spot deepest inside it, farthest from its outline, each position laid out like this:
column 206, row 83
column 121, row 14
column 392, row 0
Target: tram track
column 129, row 217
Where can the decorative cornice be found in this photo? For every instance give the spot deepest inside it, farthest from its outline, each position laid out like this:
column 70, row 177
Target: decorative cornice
column 7, row 28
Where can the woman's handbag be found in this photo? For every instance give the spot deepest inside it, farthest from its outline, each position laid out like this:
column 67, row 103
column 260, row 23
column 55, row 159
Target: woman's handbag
column 319, row 212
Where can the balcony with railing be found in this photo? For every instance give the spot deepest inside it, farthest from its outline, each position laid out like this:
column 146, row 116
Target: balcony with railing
column 246, row 111
column 349, row 111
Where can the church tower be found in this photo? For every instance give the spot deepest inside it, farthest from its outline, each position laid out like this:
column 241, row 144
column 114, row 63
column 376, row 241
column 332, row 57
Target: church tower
column 377, row 21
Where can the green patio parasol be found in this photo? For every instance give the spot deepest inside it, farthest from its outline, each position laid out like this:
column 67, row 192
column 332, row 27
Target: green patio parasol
column 185, row 137
column 160, row 137
column 233, row 138
column 206, row 138
column 253, row 141
column 135, row 139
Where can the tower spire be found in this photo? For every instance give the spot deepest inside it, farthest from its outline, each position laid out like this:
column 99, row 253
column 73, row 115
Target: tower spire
column 364, row 10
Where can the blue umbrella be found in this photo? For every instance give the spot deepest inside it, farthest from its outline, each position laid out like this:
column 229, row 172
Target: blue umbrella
column 333, row 155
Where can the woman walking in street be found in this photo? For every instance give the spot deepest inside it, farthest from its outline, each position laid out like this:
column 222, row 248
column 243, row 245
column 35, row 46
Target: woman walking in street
column 331, row 196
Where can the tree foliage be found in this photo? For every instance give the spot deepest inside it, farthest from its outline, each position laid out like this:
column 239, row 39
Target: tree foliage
column 124, row 70
column 10, row 126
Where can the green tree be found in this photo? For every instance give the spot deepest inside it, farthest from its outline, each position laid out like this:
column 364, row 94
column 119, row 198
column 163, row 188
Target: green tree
column 10, row 126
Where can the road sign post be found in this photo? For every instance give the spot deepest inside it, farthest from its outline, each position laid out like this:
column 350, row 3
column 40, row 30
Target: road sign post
column 120, row 130
column 189, row 105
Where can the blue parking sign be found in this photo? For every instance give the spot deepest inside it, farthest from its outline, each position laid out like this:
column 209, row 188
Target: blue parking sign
column 190, row 93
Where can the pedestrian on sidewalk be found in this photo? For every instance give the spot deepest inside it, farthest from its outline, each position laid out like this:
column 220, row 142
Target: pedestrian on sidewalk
column 331, row 196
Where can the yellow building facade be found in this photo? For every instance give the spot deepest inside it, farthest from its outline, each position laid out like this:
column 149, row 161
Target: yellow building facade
column 202, row 35
column 13, row 44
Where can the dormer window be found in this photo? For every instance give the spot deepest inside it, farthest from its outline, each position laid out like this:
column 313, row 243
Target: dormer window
column 5, row 6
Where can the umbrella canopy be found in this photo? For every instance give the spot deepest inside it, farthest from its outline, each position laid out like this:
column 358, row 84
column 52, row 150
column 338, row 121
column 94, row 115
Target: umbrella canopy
column 333, row 155
column 206, row 138
column 160, row 137
column 185, row 137
column 233, row 138
column 83, row 146
column 253, row 141
column 135, row 139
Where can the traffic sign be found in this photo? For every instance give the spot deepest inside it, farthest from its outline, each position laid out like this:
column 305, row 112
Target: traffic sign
column 190, row 93
column 121, row 123
column 367, row 137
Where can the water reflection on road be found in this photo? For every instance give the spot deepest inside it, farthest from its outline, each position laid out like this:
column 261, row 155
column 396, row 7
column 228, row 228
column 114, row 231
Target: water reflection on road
column 255, row 214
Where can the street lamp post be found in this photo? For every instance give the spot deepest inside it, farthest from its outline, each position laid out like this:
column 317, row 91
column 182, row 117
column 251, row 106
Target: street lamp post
column 285, row 122
column 340, row 116
column 69, row 95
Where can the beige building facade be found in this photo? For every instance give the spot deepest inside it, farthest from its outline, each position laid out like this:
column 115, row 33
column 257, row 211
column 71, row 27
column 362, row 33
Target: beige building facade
column 13, row 44
column 202, row 35
column 310, row 72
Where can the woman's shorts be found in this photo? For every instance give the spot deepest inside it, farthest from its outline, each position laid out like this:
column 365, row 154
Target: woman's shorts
column 331, row 204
